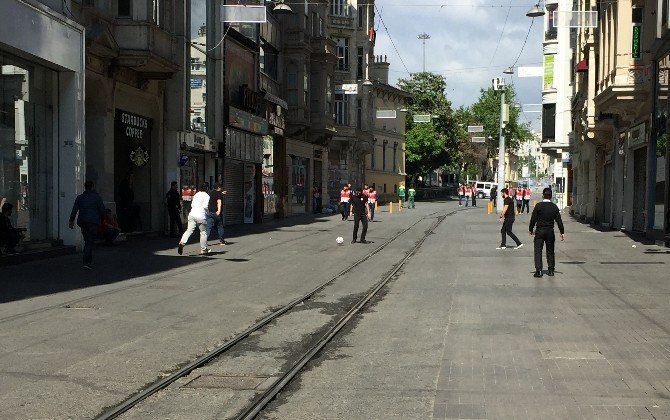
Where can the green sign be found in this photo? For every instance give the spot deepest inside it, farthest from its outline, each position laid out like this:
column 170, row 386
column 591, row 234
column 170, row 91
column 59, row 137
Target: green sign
column 637, row 29
column 548, row 72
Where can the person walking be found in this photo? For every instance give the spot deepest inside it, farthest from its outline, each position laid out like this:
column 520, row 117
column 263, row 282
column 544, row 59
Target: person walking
column 361, row 212
column 89, row 211
column 507, row 216
column 401, row 194
column 372, row 200
column 519, row 199
column 526, row 199
column 345, row 196
column 541, row 226
column 215, row 217
column 197, row 217
column 474, row 195
column 173, row 203
column 461, row 194
column 493, row 195
column 411, row 193
column 467, row 192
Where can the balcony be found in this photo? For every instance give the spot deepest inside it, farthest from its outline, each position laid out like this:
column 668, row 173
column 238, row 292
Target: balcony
column 146, row 48
column 298, row 116
column 296, row 38
column 345, row 21
column 624, row 92
column 324, row 49
column 550, row 35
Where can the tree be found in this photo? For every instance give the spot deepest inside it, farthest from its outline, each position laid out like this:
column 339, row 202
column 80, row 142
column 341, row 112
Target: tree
column 433, row 145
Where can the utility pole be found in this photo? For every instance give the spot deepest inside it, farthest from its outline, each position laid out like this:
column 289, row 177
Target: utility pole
column 424, row 36
column 499, row 84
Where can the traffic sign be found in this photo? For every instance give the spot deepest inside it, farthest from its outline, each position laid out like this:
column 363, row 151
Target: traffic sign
column 475, row 129
column 422, row 118
column 479, row 139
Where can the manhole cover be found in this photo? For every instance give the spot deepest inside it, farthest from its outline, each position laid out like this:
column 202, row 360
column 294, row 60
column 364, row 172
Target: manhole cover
column 237, row 259
column 238, row 383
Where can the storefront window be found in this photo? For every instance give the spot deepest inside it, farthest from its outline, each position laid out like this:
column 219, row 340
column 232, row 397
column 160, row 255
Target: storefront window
column 661, row 136
column 198, row 70
column 299, row 184
column 26, row 144
column 269, row 196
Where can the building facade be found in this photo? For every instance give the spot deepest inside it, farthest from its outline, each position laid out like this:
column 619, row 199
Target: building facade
column 385, row 165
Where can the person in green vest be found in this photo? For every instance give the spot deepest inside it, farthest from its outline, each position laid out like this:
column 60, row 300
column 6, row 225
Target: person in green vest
column 401, row 194
column 411, row 193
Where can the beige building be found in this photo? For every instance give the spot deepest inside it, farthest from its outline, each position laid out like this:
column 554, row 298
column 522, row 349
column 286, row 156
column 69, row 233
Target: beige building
column 385, row 165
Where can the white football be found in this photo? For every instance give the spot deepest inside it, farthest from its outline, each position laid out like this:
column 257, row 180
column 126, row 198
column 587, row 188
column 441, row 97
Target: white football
column 339, row 240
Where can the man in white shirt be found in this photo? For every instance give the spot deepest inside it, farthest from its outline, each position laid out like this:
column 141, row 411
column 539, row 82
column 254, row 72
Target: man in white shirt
column 197, row 217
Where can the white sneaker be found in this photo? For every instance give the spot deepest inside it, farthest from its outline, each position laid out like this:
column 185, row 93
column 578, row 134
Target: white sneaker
column 502, row 247
column 518, row 246
column 205, row 251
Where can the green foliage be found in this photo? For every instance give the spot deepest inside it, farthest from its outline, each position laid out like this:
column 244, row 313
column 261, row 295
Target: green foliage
column 431, row 145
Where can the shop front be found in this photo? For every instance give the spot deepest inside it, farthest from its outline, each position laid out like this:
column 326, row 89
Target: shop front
column 41, row 116
column 242, row 169
column 197, row 164
column 659, row 148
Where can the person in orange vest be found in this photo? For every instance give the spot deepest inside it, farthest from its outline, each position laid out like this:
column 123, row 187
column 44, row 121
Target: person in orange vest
column 461, row 194
column 345, row 196
column 366, row 190
column 372, row 199
column 467, row 192
column 526, row 199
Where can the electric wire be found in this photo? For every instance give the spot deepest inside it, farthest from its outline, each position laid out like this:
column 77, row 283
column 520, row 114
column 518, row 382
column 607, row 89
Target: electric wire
column 524, row 43
column 381, row 19
column 502, row 32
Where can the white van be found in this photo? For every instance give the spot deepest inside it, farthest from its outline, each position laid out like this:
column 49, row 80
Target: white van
column 484, row 189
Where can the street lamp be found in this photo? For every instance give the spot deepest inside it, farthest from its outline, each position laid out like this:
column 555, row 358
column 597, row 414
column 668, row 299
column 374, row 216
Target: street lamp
column 535, row 11
column 424, row 36
column 281, row 8
column 509, row 70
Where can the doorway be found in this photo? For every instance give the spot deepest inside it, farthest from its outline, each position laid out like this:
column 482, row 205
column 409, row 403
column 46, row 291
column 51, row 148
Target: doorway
column 639, row 187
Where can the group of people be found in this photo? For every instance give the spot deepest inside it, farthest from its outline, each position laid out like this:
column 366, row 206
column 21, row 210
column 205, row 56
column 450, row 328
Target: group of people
column 359, row 203
column 407, row 197
column 545, row 214
column 521, row 196
column 206, row 214
column 467, row 193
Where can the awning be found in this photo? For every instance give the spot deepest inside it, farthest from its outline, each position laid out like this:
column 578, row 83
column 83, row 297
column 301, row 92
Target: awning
column 582, row 66
column 275, row 100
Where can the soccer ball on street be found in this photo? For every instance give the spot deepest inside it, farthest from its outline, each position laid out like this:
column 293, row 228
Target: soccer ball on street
column 339, row 240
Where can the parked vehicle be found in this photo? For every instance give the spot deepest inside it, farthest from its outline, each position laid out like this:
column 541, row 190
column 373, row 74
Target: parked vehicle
column 484, row 189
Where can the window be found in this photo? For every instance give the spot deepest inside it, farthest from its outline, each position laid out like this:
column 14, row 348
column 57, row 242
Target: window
column 329, row 97
column 395, row 155
column 342, row 53
column 268, row 60
column 341, row 109
column 305, row 84
column 359, row 114
column 292, row 88
column 198, row 71
column 372, row 155
column 384, row 155
column 361, row 16
column 321, row 33
column 125, row 8
column 339, row 7
column 315, row 25
column 359, row 63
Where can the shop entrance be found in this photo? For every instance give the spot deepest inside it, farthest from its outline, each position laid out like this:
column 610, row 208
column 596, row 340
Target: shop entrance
column 26, row 145
column 639, row 187
column 299, row 184
column 607, row 194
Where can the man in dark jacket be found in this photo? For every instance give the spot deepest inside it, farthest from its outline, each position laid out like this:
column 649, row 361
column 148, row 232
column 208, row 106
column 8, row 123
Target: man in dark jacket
column 91, row 211
column 9, row 235
column 361, row 212
column 544, row 215
column 173, row 202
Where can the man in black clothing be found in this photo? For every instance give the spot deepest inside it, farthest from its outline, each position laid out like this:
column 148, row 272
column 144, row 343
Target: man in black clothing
column 544, row 215
column 215, row 215
column 361, row 212
column 507, row 216
column 173, row 202
column 9, row 235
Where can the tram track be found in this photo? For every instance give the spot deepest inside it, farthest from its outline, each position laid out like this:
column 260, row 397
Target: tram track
column 205, row 359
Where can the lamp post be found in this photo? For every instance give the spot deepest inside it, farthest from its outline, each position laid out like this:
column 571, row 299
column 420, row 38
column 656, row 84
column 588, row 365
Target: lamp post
column 424, row 36
column 499, row 84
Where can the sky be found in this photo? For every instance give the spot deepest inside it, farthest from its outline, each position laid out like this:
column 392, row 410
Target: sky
column 471, row 42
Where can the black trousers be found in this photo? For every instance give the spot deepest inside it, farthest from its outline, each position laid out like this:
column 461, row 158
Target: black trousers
column 526, row 206
column 360, row 218
column 507, row 230
column 544, row 236
column 175, row 219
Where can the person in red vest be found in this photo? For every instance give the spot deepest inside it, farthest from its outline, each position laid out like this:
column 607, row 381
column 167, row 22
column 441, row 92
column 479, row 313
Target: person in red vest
column 526, row 199
column 461, row 194
column 372, row 199
column 519, row 199
column 345, row 196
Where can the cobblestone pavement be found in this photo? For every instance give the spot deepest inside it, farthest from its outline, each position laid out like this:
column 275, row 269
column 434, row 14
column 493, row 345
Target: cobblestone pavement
column 464, row 330
column 467, row 332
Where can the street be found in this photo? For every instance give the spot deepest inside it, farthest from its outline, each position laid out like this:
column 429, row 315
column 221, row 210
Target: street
column 461, row 331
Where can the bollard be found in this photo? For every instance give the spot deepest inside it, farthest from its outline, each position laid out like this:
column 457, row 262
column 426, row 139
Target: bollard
column 376, row 206
column 399, row 205
column 390, row 207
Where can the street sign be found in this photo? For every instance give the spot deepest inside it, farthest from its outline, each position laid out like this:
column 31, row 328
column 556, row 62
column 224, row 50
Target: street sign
column 347, row 89
column 475, row 129
column 386, row 113
column 479, row 139
column 422, row 118
column 525, row 172
column 243, row 14
column 576, row 19
column 532, row 108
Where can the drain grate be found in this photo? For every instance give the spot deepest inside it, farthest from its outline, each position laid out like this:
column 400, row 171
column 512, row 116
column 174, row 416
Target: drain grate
column 631, row 262
column 237, row 383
